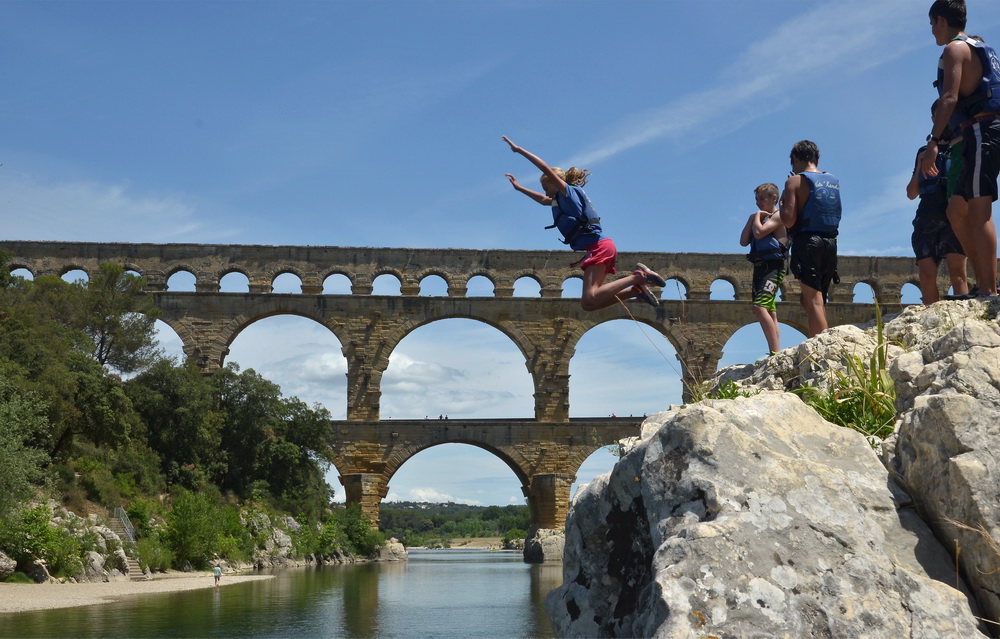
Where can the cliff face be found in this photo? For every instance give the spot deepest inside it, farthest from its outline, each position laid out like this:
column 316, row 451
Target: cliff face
column 755, row 517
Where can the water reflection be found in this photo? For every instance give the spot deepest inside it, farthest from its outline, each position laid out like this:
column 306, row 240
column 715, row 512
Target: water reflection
column 456, row 594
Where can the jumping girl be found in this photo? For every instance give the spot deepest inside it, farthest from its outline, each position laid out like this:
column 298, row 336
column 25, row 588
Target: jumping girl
column 575, row 217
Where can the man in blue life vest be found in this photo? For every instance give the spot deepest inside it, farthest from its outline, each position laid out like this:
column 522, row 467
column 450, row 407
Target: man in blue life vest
column 810, row 210
column 969, row 87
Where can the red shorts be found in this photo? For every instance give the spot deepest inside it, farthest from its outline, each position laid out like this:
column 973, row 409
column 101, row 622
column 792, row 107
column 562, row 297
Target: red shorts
column 600, row 252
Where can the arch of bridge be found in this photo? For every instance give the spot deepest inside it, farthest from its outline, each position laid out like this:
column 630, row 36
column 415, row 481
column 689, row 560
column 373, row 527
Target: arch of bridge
column 544, row 456
column 510, row 454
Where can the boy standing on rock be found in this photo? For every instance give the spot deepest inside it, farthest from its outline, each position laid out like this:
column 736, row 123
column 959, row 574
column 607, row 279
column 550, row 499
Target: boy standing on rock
column 766, row 236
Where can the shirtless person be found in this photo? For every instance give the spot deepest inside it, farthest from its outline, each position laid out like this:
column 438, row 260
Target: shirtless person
column 810, row 210
column 967, row 70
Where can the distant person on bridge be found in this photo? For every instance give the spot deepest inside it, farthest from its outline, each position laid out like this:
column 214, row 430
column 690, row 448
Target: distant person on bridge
column 768, row 241
column 577, row 220
column 810, row 210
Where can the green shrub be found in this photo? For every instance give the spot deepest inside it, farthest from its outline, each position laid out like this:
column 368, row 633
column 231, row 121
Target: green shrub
column 305, row 540
column 232, row 549
column 153, row 553
column 26, row 535
column 193, row 529
column 730, row 390
column 19, row 578
column 331, row 538
column 361, row 538
column 862, row 398
column 63, row 555
column 514, row 534
column 140, row 512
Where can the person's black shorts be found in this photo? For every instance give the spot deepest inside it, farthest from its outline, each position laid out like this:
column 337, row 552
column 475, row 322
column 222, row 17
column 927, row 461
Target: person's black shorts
column 980, row 160
column 814, row 261
column 934, row 238
column 767, row 278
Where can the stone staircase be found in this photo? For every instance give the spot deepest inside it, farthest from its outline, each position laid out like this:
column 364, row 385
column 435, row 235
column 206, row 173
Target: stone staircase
column 135, row 570
column 122, row 527
column 118, row 526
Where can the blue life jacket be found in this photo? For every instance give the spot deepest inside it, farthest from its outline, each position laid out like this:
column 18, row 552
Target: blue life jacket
column 986, row 97
column 576, row 218
column 929, row 185
column 766, row 248
column 821, row 212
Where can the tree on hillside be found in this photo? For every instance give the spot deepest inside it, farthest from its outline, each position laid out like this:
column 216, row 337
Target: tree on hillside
column 177, row 406
column 268, row 439
column 41, row 336
column 22, row 422
column 119, row 316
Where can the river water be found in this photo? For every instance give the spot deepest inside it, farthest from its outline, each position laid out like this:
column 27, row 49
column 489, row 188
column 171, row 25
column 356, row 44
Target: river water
column 443, row 594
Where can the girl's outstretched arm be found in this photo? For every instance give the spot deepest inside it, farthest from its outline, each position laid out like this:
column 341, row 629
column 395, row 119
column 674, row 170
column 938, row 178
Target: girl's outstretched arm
column 537, row 161
column 541, row 198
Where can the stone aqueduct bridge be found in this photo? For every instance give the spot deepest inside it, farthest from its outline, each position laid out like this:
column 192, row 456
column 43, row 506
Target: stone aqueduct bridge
column 545, row 452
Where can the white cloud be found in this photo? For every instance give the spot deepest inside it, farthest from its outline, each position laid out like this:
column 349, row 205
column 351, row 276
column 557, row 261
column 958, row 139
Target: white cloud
column 430, row 495
column 94, row 212
column 833, row 35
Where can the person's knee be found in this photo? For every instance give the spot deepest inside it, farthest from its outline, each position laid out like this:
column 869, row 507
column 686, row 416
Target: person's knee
column 588, row 302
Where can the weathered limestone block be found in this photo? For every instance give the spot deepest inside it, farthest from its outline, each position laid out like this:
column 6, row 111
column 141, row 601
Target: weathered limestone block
column 93, row 567
column 812, row 362
column 544, row 544
column 393, row 551
column 37, row 570
column 948, row 442
column 7, row 566
column 752, row 518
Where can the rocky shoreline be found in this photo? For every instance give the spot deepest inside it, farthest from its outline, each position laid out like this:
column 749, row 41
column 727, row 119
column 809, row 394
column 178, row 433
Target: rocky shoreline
column 754, row 516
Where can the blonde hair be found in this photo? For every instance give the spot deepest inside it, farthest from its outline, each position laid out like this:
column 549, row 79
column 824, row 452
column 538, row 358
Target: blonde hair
column 574, row 176
column 768, row 188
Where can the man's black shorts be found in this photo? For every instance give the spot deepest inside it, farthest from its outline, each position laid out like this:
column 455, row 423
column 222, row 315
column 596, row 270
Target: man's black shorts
column 814, row 261
column 980, row 160
column 934, row 238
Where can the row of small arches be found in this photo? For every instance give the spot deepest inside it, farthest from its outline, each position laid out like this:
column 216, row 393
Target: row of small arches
column 436, row 286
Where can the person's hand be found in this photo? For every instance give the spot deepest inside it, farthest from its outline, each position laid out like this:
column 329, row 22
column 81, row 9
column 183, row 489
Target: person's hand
column 513, row 180
column 928, row 160
column 513, row 147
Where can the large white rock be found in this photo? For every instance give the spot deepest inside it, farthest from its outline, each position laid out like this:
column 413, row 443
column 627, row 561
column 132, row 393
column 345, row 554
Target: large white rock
column 948, row 440
column 752, row 518
column 544, row 545
column 393, row 550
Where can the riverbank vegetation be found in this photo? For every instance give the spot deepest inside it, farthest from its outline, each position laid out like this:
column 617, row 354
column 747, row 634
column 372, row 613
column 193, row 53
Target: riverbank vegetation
column 93, row 416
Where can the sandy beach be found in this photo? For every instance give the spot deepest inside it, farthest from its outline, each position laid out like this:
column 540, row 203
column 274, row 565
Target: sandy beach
column 478, row 543
column 28, row 597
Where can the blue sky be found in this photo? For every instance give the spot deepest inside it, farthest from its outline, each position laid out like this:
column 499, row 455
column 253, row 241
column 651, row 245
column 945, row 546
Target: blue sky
column 378, row 124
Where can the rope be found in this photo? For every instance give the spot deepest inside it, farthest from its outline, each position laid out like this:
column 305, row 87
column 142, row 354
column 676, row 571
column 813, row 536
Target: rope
column 641, row 330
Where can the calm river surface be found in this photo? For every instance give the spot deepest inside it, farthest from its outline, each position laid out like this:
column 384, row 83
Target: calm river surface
column 460, row 594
